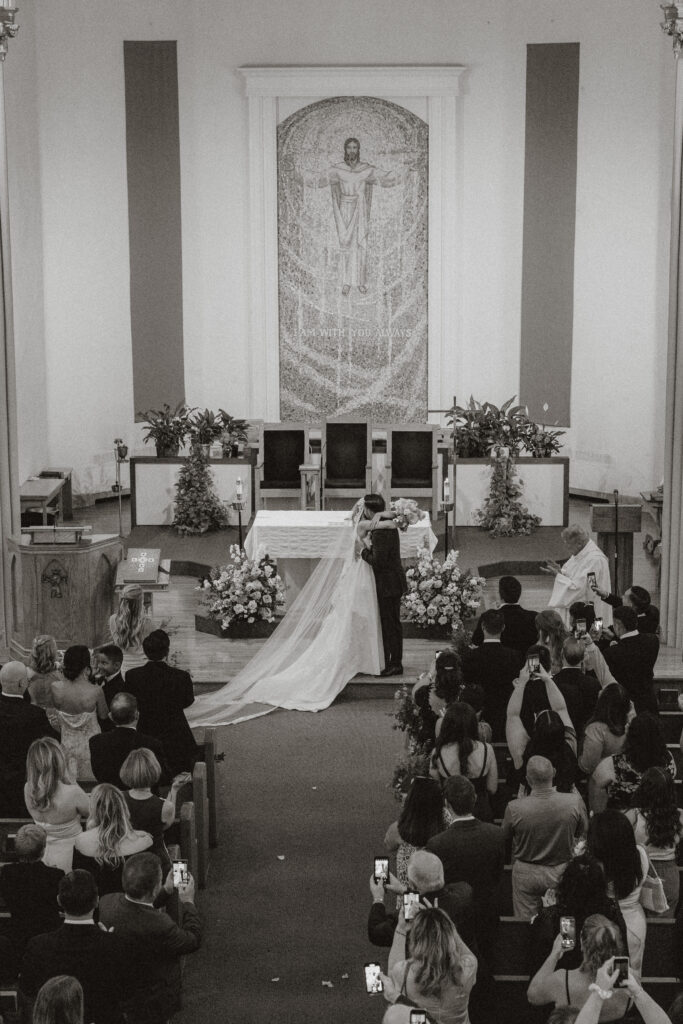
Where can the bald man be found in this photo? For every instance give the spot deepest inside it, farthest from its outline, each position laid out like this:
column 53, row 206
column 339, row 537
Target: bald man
column 20, row 724
column 543, row 828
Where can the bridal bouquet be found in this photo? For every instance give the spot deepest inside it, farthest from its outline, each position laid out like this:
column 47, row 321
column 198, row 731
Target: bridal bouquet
column 406, row 512
column 441, row 592
column 244, row 590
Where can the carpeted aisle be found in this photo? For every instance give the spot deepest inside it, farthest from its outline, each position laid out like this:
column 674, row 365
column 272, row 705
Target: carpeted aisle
column 301, row 919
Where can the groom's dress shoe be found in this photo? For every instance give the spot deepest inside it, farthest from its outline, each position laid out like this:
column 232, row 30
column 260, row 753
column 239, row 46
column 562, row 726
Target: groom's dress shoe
column 386, row 671
column 392, row 670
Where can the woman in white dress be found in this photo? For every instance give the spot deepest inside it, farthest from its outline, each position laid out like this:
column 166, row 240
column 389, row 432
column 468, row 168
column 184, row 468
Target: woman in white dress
column 331, row 633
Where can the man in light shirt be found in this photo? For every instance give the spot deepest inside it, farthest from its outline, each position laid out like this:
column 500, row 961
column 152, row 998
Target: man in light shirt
column 574, row 579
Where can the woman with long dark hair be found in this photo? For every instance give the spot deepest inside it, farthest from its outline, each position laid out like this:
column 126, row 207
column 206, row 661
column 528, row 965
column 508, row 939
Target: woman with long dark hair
column 435, row 690
column 422, row 817
column 657, row 825
column 611, row 841
column 616, row 779
column 581, row 891
column 79, row 705
column 459, row 751
column 606, row 730
column 549, row 739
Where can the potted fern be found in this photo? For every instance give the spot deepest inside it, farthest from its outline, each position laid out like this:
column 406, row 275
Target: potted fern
column 167, row 428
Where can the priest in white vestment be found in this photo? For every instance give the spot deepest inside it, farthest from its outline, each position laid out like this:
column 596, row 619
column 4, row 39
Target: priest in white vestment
column 572, row 582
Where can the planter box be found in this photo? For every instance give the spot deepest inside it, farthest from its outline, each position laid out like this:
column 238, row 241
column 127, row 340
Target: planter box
column 545, row 488
column 258, row 630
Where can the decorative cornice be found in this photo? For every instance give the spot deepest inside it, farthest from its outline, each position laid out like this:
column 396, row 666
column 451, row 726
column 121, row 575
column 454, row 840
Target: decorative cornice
column 395, row 80
column 673, row 25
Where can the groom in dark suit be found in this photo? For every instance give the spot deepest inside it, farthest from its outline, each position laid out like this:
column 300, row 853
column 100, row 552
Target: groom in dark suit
column 384, row 557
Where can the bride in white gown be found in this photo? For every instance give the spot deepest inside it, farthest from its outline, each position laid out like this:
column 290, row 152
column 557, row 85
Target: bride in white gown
column 331, row 632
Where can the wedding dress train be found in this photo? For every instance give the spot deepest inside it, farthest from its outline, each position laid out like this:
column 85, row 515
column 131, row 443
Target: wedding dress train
column 331, row 632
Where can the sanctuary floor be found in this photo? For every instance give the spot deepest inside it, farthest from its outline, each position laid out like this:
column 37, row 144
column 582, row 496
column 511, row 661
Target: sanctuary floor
column 213, row 661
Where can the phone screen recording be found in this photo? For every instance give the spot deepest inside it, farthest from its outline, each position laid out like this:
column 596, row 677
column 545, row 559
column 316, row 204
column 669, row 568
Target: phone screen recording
column 180, row 875
column 533, row 663
column 381, row 869
column 373, row 980
column 568, row 932
column 411, row 905
column 621, row 964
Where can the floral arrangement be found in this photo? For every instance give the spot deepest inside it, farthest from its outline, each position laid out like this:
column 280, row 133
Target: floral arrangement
column 479, row 427
column 244, row 590
column 415, row 761
column 503, row 514
column 197, row 505
column 406, row 512
column 441, row 593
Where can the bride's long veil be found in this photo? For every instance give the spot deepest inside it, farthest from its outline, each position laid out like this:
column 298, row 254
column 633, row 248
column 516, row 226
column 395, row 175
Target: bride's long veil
column 257, row 683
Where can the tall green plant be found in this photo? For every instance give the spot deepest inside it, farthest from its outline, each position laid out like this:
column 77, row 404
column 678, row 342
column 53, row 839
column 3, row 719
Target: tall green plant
column 480, row 427
column 198, row 508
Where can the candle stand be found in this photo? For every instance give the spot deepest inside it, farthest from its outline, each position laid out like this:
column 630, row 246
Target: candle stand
column 239, row 507
column 447, row 507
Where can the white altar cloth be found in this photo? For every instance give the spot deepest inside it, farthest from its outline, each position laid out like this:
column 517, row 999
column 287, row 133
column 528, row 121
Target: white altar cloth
column 296, row 534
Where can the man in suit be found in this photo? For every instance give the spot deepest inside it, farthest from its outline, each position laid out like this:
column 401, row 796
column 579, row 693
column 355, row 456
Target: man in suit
column 632, row 659
column 98, row 959
column 519, row 624
column 163, row 693
column 382, row 552
column 20, row 724
column 158, row 941
column 493, row 667
column 472, row 851
column 108, row 750
column 637, row 598
column 580, row 691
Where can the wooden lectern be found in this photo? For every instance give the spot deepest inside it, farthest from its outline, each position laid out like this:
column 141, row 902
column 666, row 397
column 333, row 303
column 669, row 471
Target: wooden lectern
column 604, row 523
column 62, row 588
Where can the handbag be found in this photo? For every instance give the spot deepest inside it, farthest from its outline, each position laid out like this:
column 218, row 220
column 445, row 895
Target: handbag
column 652, row 891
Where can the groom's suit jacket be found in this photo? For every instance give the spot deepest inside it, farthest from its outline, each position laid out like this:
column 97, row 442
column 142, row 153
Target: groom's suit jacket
column 385, row 559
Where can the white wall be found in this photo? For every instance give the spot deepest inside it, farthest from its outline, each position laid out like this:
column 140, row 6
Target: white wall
column 625, row 128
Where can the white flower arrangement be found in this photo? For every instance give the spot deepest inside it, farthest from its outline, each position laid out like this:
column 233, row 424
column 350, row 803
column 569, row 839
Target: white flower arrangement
column 441, row 593
column 245, row 590
column 406, row 512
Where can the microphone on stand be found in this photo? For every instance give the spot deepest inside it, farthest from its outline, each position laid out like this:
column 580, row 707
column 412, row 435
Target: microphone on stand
column 616, row 541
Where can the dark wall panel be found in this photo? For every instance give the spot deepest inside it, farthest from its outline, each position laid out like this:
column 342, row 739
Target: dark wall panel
column 153, row 156
column 552, row 104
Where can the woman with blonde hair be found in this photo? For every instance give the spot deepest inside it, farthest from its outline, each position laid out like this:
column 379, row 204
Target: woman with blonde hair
column 108, row 839
column 130, row 625
column 59, row 1001
column 141, row 772
column 53, row 800
column 552, row 633
column 43, row 670
column 600, row 940
column 440, row 972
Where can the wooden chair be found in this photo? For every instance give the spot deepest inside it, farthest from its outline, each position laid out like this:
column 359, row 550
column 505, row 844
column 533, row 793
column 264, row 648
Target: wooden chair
column 412, row 463
column 346, row 460
column 283, row 447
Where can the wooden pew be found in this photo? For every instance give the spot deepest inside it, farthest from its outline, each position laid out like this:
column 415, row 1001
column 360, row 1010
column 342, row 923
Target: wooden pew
column 209, row 756
column 201, row 810
column 188, row 838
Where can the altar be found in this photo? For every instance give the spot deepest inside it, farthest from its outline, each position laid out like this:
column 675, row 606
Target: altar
column 298, row 540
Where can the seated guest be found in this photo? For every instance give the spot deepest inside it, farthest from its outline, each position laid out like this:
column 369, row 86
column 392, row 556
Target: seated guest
column 435, row 690
column 43, row 670
column 552, row 733
column 438, row 971
column 472, row 851
column 156, row 940
column 606, row 730
column 493, row 667
column 600, row 939
column 616, row 779
column 552, row 633
column 611, row 841
column 99, row 960
column 425, row 876
column 580, row 691
column 53, row 801
column 459, row 751
column 108, row 750
column 130, row 625
column 421, row 817
column 29, row 891
column 657, row 825
column 108, row 660
column 59, row 1001
column 542, row 829
column 519, row 629
column 140, row 774
column 632, row 659
column 637, row 598
column 108, row 839
column 20, row 724
column 163, row 693
column 581, row 891
column 78, row 704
